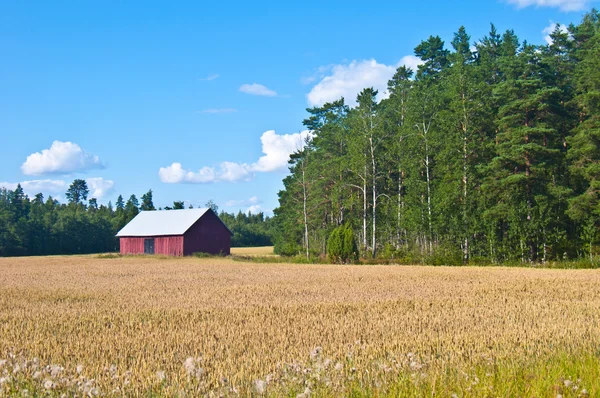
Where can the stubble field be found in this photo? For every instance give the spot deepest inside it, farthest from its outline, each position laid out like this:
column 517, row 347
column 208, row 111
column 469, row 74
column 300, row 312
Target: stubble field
column 86, row 326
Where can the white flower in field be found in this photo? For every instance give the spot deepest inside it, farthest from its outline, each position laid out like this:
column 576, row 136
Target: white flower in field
column 16, row 369
column 55, row 370
column 79, row 369
column 2, row 362
column 584, row 392
column 454, row 396
column 568, row 383
column 316, row 353
column 4, row 380
column 160, row 375
column 559, row 396
column 305, row 394
column 37, row 375
column 191, row 369
column 339, row 367
column 112, row 369
column 190, row 365
column 48, row 384
column 260, row 386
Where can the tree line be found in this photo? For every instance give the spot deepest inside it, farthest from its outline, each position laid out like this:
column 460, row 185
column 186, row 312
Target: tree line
column 489, row 151
column 39, row 226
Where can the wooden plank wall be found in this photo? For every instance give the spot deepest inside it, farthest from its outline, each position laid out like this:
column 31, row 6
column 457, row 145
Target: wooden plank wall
column 207, row 235
column 168, row 245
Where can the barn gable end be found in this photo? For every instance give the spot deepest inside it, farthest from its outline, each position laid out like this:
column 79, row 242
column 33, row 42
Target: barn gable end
column 207, row 235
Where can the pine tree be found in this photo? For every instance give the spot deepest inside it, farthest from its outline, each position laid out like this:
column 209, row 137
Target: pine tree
column 78, row 192
column 147, row 204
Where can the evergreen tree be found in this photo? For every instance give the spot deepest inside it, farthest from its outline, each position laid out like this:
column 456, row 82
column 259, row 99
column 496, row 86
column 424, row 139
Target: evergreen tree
column 147, row 203
column 77, row 192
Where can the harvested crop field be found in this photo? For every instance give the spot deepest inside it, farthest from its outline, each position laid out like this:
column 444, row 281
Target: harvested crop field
column 187, row 326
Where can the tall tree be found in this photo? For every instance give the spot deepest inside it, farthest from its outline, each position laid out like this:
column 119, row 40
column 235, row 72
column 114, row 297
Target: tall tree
column 78, row 191
column 147, row 203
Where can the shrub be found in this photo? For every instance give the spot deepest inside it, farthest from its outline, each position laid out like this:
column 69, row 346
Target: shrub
column 341, row 245
column 334, row 245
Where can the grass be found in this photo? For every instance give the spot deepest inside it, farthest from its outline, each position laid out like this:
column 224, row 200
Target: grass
column 83, row 325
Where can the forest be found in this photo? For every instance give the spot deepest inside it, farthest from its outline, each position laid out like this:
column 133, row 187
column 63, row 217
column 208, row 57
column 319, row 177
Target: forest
column 488, row 152
column 38, row 226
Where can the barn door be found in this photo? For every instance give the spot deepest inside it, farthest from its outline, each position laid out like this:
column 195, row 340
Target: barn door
column 148, row 246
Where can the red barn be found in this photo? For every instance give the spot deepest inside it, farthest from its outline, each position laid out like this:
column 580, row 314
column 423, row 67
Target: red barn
column 175, row 233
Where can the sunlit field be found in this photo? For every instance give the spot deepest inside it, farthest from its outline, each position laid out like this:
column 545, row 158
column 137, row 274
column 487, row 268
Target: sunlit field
column 253, row 251
column 85, row 325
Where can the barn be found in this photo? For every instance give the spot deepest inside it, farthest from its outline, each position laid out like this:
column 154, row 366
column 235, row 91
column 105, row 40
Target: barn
column 175, row 233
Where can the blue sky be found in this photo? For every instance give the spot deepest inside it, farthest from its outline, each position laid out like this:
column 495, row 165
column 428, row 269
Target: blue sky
column 201, row 101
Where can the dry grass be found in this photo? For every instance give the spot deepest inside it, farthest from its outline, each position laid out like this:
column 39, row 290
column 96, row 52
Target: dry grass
column 253, row 251
column 145, row 325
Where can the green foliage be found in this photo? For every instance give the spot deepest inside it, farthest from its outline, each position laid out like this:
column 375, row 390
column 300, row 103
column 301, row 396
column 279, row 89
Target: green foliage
column 147, row 203
column 341, row 245
column 77, row 192
column 213, row 206
column 486, row 156
column 334, row 245
column 249, row 230
column 34, row 227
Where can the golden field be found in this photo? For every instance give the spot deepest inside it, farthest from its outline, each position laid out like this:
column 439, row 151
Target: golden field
column 252, row 251
column 86, row 325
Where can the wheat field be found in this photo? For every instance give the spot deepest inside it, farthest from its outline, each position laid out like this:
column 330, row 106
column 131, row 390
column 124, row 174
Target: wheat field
column 253, row 251
column 86, row 326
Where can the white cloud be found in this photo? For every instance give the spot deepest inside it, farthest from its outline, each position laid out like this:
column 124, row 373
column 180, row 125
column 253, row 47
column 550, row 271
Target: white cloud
column 61, row 158
column 347, row 80
column 219, row 110
column 254, row 209
column 98, row 187
column 214, row 76
column 410, row 61
column 563, row 5
column 175, row 174
column 35, row 186
column 254, row 200
column 257, row 89
column 227, row 171
column 232, row 172
column 276, row 149
column 550, row 28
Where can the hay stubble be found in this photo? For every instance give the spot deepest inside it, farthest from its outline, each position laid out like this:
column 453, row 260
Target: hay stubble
column 240, row 322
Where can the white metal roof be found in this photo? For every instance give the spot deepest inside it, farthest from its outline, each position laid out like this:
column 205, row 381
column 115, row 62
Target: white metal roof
column 162, row 222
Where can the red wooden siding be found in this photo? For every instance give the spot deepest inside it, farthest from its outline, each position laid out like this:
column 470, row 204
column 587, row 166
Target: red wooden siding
column 169, row 245
column 208, row 235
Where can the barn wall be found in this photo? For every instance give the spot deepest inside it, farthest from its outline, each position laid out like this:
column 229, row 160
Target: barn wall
column 169, row 245
column 207, row 235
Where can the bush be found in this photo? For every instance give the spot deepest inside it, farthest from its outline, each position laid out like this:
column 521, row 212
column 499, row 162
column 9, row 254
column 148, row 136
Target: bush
column 207, row 255
column 287, row 249
column 341, row 245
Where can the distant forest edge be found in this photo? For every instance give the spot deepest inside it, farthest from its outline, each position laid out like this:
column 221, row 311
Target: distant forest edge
column 489, row 152
column 30, row 227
